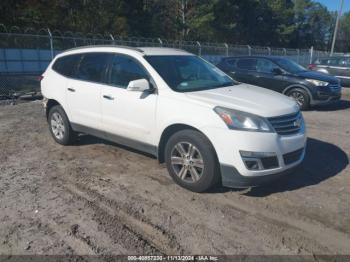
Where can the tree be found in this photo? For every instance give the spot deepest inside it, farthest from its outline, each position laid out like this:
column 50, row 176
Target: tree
column 313, row 22
column 343, row 38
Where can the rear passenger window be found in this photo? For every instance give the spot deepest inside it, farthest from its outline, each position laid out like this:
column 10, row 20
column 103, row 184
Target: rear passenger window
column 66, row 65
column 333, row 62
column 124, row 69
column 93, row 67
column 231, row 62
column 247, row 64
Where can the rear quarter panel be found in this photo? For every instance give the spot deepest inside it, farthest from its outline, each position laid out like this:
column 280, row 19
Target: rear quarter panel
column 53, row 86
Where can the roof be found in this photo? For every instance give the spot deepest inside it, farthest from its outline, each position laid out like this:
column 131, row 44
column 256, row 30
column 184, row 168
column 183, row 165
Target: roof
column 163, row 51
column 141, row 50
column 256, row 56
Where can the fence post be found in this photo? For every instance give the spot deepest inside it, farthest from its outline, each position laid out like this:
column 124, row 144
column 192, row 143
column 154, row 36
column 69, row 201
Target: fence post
column 268, row 50
column 285, row 52
column 226, row 46
column 249, row 50
column 199, row 48
column 298, row 57
column 160, row 42
column 51, row 42
column 111, row 36
column 311, row 54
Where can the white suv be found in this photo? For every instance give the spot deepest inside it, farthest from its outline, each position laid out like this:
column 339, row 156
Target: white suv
column 178, row 107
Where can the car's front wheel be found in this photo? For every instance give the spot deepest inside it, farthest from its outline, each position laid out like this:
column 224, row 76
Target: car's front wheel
column 301, row 97
column 60, row 127
column 191, row 160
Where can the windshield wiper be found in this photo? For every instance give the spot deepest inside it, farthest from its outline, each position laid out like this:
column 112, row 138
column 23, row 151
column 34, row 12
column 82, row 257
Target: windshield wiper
column 226, row 84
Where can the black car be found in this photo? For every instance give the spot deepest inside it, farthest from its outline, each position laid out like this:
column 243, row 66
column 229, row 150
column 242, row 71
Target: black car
column 336, row 66
column 285, row 76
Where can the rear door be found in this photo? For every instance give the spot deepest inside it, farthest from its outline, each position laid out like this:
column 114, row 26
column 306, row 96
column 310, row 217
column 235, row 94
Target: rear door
column 128, row 114
column 246, row 70
column 84, row 91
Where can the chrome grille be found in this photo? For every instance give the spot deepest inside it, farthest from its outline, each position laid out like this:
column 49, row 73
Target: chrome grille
column 287, row 124
column 334, row 87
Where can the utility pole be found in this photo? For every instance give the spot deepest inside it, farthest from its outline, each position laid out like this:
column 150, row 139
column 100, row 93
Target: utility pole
column 336, row 25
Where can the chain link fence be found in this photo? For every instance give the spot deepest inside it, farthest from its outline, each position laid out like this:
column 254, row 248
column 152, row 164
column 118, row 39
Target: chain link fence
column 25, row 53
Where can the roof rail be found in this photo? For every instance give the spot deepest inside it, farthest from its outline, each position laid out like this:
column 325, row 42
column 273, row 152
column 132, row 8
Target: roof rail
column 118, row 46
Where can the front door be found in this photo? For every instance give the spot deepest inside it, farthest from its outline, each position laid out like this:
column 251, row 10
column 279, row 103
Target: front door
column 128, row 114
column 266, row 77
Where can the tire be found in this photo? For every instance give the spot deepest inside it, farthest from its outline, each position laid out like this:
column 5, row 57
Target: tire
column 200, row 171
column 60, row 127
column 301, row 97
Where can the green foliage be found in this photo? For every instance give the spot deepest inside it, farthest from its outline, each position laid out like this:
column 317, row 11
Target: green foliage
column 287, row 23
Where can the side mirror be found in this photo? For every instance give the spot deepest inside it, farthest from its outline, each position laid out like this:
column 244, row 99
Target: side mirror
column 139, row 85
column 277, row 71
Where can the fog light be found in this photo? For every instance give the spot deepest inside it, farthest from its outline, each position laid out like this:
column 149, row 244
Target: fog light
column 259, row 160
column 251, row 164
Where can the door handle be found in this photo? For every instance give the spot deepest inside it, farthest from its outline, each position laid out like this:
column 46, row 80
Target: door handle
column 71, row 89
column 108, row 97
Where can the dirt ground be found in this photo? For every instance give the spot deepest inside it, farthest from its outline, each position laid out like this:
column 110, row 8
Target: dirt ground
column 99, row 198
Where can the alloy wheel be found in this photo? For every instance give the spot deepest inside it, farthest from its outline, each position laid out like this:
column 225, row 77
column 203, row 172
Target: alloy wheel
column 187, row 162
column 298, row 97
column 57, row 126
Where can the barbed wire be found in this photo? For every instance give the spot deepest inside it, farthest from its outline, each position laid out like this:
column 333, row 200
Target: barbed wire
column 137, row 41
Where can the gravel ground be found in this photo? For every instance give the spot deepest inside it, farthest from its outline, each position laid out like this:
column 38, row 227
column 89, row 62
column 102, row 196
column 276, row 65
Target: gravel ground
column 99, row 198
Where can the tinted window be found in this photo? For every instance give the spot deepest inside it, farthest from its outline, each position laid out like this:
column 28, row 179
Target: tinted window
column 265, row 66
column 322, row 62
column 344, row 62
column 93, row 67
column 334, row 62
column 231, row 62
column 289, row 65
column 66, row 65
column 124, row 69
column 247, row 64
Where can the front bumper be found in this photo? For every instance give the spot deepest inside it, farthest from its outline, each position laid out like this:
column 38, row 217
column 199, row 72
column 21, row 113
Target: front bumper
column 326, row 95
column 234, row 172
column 326, row 100
column 232, row 178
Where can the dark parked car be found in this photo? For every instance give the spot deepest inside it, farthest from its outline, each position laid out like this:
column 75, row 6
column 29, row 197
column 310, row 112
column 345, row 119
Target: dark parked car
column 336, row 66
column 285, row 76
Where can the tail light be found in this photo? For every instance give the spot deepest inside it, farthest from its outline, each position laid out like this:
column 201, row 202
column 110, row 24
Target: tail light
column 312, row 66
column 40, row 78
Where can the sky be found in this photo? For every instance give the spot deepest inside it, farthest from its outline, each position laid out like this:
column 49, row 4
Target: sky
column 333, row 5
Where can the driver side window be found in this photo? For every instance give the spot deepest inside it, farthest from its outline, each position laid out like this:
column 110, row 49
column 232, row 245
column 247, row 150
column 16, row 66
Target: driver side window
column 265, row 66
column 125, row 69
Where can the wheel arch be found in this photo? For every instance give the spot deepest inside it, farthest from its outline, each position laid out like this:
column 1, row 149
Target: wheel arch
column 168, row 132
column 288, row 88
column 50, row 103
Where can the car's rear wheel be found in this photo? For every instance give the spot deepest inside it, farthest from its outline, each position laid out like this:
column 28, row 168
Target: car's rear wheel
column 301, row 97
column 60, row 127
column 191, row 160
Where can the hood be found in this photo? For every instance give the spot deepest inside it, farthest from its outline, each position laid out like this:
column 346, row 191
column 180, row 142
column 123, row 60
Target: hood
column 317, row 76
column 247, row 98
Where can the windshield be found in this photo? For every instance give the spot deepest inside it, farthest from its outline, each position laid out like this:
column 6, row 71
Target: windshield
column 290, row 66
column 185, row 73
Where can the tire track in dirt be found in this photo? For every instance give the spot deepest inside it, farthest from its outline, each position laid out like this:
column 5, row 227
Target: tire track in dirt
column 327, row 237
column 112, row 217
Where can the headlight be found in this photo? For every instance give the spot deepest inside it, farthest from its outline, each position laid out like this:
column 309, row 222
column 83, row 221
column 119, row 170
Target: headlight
column 317, row 82
column 243, row 121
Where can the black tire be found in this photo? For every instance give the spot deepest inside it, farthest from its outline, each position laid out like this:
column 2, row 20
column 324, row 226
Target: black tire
column 304, row 101
column 68, row 136
column 209, row 174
